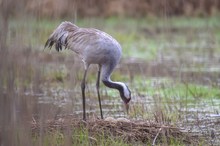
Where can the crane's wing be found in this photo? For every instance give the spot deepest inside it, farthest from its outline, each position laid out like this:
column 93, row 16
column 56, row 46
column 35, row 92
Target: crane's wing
column 78, row 39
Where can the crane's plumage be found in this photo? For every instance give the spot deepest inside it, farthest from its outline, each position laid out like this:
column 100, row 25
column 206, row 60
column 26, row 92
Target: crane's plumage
column 93, row 47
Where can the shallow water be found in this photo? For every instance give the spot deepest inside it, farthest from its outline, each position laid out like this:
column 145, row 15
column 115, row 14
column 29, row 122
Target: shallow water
column 198, row 116
column 186, row 56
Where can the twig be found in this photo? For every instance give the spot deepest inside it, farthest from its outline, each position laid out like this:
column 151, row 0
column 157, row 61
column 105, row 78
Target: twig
column 156, row 137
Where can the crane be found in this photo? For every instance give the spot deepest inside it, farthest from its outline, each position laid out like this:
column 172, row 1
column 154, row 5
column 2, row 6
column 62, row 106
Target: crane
column 93, row 47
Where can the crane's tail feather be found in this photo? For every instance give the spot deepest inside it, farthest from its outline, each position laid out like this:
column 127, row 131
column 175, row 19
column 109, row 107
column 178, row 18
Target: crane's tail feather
column 60, row 36
column 49, row 44
column 58, row 43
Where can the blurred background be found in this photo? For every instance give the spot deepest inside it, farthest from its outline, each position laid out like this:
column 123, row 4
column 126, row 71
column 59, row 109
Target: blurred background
column 171, row 62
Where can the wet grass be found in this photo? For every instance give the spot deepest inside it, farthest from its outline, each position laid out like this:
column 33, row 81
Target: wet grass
column 167, row 62
column 79, row 137
column 169, row 98
column 168, row 88
column 141, row 38
column 104, row 132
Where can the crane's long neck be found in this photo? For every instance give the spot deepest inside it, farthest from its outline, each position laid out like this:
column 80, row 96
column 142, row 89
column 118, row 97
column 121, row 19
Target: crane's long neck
column 114, row 85
column 121, row 87
column 118, row 86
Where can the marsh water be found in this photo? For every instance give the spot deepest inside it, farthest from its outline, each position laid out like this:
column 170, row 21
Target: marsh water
column 171, row 67
column 154, row 93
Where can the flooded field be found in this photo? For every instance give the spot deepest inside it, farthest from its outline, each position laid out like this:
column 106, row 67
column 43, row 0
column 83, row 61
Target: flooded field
column 161, row 91
column 172, row 67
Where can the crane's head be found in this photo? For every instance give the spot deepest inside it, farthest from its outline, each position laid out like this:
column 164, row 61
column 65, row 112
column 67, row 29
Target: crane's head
column 125, row 95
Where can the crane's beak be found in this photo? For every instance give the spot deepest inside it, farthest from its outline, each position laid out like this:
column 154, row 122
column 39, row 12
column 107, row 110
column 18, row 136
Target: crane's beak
column 127, row 107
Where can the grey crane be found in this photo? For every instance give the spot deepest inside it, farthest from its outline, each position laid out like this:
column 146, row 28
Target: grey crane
column 93, row 47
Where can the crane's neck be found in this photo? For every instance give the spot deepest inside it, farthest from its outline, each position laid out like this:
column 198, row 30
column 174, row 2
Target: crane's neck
column 121, row 87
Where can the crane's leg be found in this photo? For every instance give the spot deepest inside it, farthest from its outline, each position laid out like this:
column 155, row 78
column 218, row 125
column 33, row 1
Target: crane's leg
column 83, row 94
column 97, row 89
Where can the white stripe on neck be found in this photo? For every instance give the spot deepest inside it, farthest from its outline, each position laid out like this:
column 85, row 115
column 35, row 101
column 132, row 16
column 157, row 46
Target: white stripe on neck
column 125, row 89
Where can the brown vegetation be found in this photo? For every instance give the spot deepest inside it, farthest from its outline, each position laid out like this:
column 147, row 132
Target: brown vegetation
column 56, row 8
column 128, row 131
